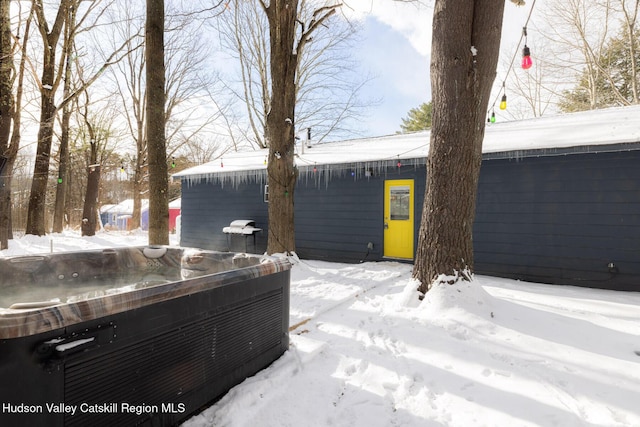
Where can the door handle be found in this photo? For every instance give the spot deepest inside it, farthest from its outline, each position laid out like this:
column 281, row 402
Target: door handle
column 386, row 225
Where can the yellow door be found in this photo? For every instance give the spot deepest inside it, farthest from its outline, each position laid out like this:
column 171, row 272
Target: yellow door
column 398, row 218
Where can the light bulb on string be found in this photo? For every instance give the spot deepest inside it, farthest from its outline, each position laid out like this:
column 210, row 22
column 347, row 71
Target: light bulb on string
column 493, row 117
column 526, row 52
column 503, row 102
column 526, row 58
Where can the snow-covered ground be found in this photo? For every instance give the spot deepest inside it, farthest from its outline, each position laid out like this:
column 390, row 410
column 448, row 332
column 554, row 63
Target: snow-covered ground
column 366, row 352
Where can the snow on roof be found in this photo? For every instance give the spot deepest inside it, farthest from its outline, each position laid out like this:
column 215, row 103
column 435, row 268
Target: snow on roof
column 124, row 207
column 591, row 128
column 175, row 204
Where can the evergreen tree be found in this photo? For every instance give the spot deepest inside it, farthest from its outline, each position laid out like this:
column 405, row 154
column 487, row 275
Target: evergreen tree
column 418, row 118
column 613, row 83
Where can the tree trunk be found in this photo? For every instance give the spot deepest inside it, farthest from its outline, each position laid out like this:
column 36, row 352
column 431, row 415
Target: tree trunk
column 280, row 123
column 65, row 158
column 37, row 197
column 461, row 85
column 89, row 216
column 138, row 189
column 11, row 152
column 6, row 114
column 5, row 204
column 158, row 171
column 63, row 174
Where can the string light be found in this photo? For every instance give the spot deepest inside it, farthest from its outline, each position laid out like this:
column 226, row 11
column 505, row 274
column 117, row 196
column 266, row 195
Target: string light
column 526, row 53
column 503, row 99
column 493, row 117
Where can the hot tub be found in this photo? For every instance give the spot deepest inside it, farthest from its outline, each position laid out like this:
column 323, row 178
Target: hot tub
column 134, row 336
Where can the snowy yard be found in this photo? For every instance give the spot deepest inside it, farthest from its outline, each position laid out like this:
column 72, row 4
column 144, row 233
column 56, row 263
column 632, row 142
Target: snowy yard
column 366, row 352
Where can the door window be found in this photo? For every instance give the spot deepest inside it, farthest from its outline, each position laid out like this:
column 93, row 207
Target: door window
column 399, row 202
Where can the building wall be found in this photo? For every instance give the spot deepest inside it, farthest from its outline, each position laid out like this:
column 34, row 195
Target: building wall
column 335, row 219
column 207, row 208
column 558, row 219
column 561, row 219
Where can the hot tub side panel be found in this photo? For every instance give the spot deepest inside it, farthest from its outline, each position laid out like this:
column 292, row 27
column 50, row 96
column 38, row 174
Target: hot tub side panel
column 163, row 362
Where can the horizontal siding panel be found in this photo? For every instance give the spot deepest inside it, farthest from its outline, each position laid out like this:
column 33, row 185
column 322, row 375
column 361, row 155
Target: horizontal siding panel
column 554, row 219
column 624, row 245
column 560, row 219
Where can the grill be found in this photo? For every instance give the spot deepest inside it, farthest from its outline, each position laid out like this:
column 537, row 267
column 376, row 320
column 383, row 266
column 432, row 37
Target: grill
column 242, row 228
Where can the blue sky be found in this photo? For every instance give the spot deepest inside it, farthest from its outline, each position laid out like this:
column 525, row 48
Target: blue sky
column 396, row 40
column 401, row 77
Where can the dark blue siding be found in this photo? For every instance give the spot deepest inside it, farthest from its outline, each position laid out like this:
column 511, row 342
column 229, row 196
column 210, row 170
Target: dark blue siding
column 208, row 207
column 555, row 219
column 338, row 221
column 561, row 219
column 334, row 220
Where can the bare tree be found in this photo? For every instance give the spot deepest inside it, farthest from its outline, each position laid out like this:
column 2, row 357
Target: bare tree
column 327, row 84
column 629, row 10
column 245, row 29
column 48, row 85
column 538, row 87
column 598, row 41
column 286, row 45
column 188, row 82
column 64, row 158
column 466, row 40
column 6, row 116
column 577, row 32
column 155, row 125
column 51, row 77
column 129, row 79
column 10, row 151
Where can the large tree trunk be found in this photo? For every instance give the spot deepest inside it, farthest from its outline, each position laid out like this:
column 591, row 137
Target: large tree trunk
column 37, row 197
column 89, row 212
column 280, row 123
column 62, row 188
column 5, row 203
column 6, row 114
column 461, row 85
column 158, row 171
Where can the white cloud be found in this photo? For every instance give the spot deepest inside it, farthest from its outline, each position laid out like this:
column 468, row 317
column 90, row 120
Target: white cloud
column 411, row 19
